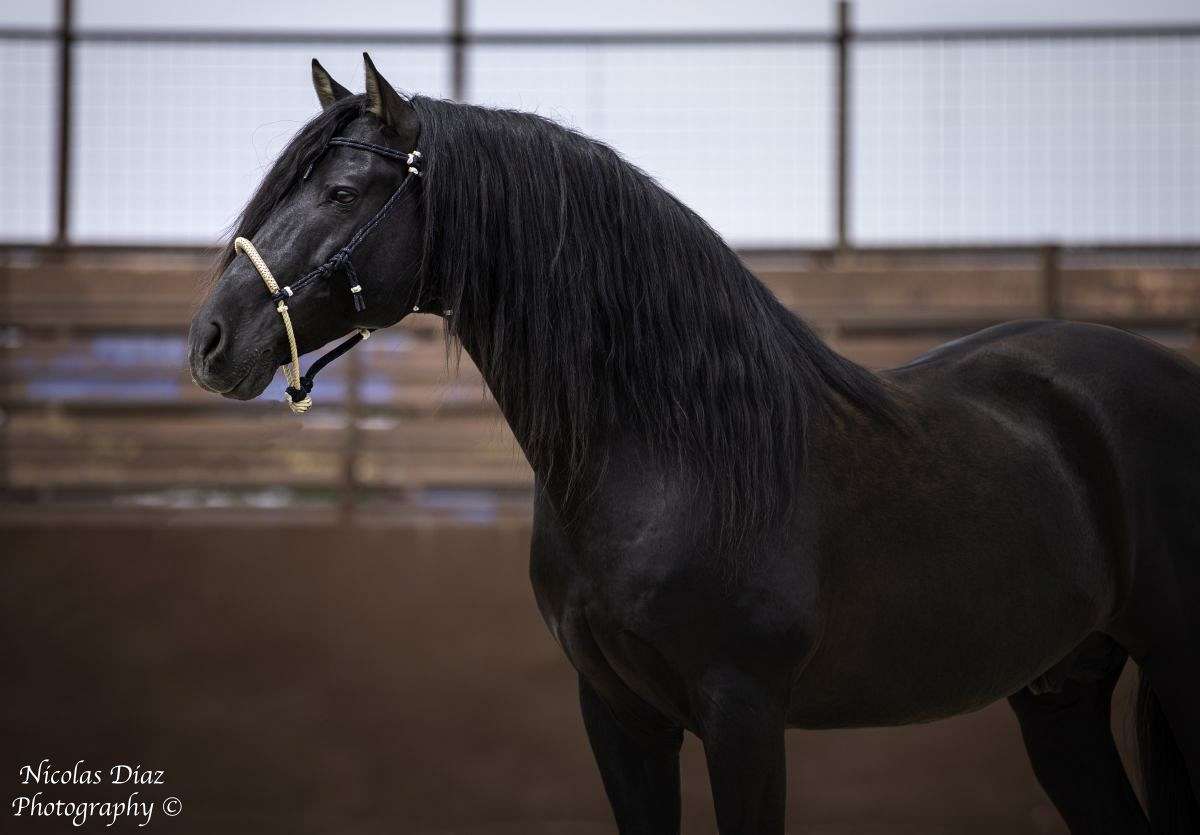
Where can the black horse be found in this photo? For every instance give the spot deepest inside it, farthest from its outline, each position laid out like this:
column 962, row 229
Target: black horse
column 737, row 530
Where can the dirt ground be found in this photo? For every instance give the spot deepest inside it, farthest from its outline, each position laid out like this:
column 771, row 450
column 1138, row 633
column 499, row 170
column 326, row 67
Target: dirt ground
column 387, row 680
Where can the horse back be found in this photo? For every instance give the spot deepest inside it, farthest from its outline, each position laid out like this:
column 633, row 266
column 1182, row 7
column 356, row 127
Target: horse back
column 966, row 553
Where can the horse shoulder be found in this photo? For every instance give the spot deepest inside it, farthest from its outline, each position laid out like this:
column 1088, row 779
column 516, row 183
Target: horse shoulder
column 639, row 602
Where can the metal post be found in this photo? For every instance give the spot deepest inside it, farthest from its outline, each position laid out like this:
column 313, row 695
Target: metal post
column 65, row 39
column 458, row 50
column 842, row 125
column 1051, row 282
column 352, row 440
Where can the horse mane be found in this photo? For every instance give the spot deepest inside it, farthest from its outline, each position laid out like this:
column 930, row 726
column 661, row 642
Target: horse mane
column 598, row 305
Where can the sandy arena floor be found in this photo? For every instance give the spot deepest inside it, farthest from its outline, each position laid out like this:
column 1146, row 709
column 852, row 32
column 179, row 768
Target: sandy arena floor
column 387, row 681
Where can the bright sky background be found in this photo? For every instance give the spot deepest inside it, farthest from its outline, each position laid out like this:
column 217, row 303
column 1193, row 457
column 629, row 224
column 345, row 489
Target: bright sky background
column 959, row 142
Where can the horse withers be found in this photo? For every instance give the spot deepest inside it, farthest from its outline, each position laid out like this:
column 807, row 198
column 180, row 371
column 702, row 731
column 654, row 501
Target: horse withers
column 736, row 530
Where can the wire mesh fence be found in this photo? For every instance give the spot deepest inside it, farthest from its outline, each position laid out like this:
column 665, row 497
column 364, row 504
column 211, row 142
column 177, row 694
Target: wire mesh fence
column 739, row 133
column 1027, row 139
column 171, row 139
column 953, row 138
column 27, row 139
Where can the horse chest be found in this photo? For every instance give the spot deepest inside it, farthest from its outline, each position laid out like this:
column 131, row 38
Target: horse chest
column 605, row 629
column 643, row 636
column 613, row 624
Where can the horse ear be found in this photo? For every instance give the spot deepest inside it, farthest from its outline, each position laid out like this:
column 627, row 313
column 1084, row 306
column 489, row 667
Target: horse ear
column 328, row 90
column 395, row 110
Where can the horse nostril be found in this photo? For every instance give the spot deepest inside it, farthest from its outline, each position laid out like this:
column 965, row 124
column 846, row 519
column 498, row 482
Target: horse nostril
column 212, row 343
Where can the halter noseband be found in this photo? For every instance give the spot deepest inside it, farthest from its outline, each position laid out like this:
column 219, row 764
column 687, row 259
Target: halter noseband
column 299, row 385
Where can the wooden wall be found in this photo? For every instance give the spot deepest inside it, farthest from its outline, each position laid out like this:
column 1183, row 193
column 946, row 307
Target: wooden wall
column 98, row 404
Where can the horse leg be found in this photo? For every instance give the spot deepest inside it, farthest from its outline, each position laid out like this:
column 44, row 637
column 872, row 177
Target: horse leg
column 1169, row 736
column 640, row 769
column 1068, row 736
column 743, row 733
column 1163, row 624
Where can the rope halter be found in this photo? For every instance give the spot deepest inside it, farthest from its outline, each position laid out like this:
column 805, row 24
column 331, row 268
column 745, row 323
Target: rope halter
column 300, row 385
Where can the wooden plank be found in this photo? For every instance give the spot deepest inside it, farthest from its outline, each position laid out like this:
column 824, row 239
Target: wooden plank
column 1089, row 294
column 58, row 450
column 82, row 370
column 881, row 352
column 441, row 451
column 145, row 298
column 822, row 295
column 49, row 449
column 828, row 297
column 91, row 412
column 50, row 295
column 139, row 295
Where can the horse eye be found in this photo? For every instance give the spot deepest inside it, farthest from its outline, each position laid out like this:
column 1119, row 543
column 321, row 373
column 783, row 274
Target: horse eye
column 345, row 196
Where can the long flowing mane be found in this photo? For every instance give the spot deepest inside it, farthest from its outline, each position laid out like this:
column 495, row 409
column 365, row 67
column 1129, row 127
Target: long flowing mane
column 599, row 306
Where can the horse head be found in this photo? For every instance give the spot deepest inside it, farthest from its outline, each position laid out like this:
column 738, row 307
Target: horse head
column 338, row 220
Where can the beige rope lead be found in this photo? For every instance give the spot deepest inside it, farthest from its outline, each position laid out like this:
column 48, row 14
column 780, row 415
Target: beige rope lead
column 292, row 372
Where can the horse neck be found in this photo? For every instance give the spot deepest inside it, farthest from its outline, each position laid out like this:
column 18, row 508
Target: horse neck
column 494, row 380
column 791, row 368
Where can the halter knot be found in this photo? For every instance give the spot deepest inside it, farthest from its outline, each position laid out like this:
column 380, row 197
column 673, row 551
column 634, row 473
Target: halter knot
column 341, row 261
